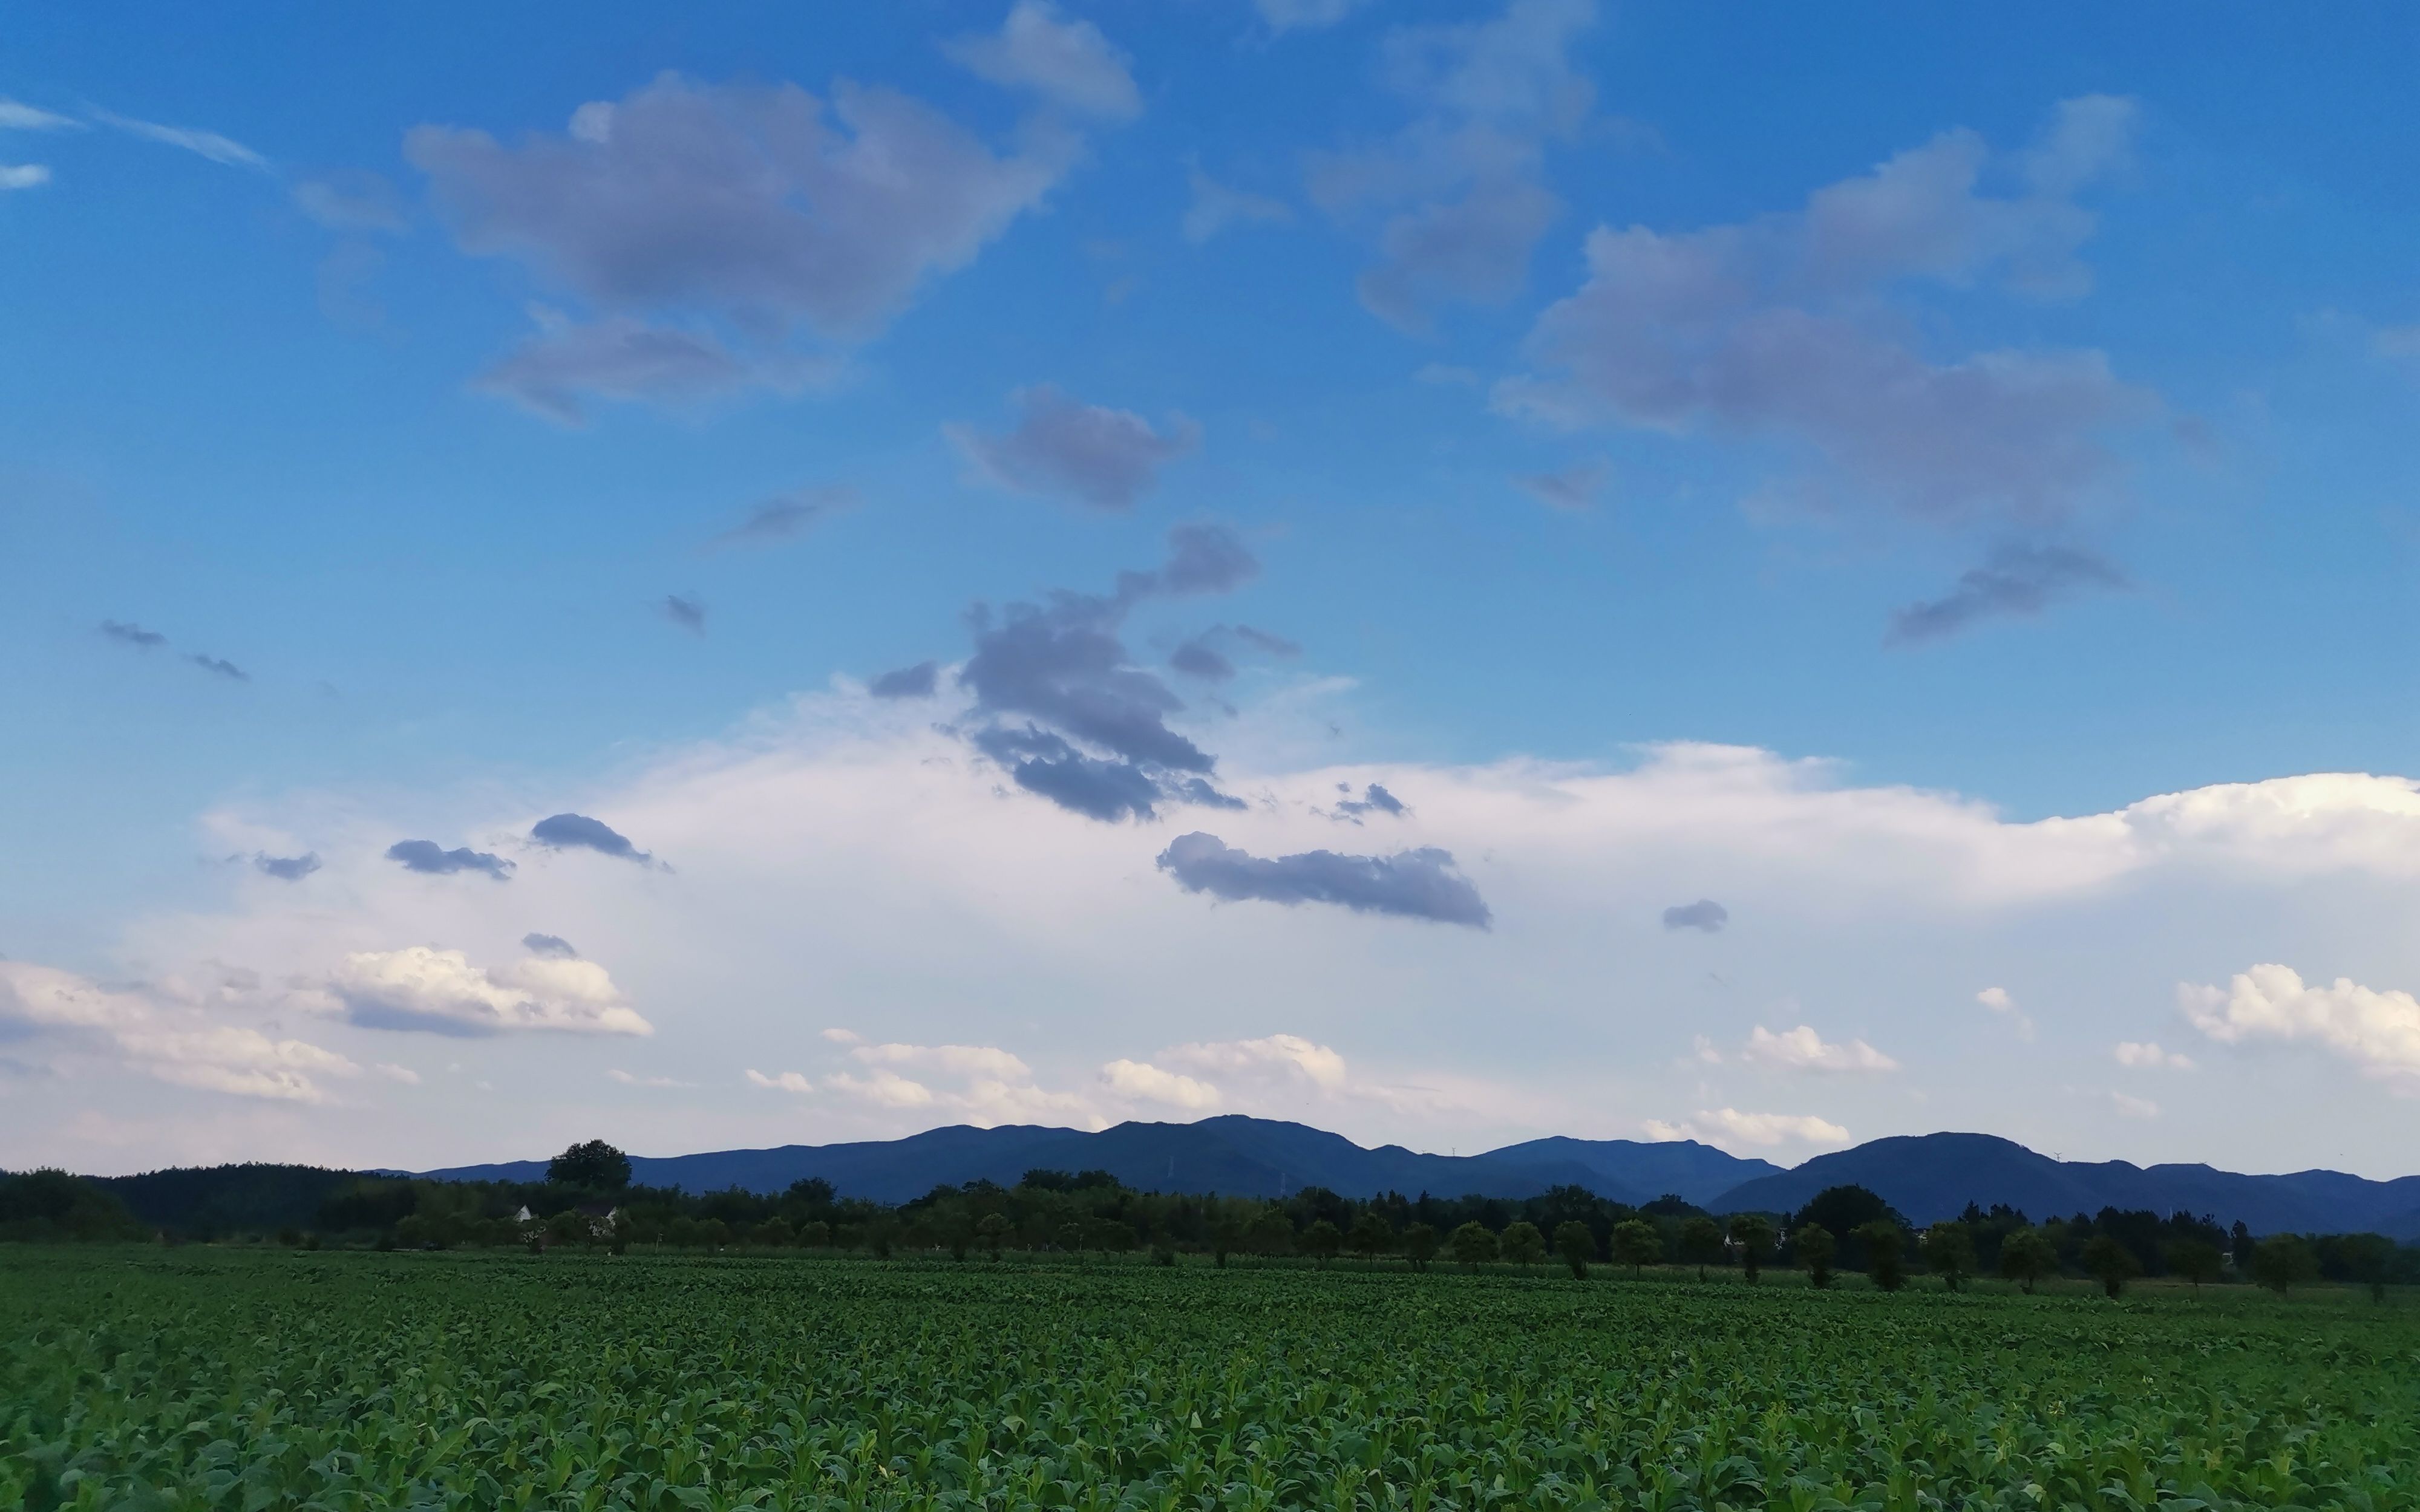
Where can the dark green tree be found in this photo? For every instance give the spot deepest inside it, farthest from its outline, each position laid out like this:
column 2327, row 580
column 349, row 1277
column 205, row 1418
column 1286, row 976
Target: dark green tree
column 1321, row 1242
column 1948, row 1251
column 1577, row 1246
column 592, row 1165
column 2028, row 1256
column 1522, row 1244
column 1635, row 1244
column 2197, row 1260
column 1229, row 1232
column 1369, row 1237
column 1701, row 1243
column 1815, row 1248
column 1420, row 1244
column 1753, row 1233
column 2367, row 1259
column 1473, row 1244
column 1884, row 1240
column 2281, row 1262
column 2110, row 1263
column 992, row 1230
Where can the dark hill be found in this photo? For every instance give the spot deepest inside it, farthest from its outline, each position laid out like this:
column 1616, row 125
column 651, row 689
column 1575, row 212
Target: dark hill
column 1684, row 1167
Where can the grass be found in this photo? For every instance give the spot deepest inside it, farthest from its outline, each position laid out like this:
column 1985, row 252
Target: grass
column 259, row 1378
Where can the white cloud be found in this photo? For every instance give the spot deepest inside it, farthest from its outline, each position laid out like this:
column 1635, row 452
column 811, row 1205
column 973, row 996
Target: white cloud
column 16, row 115
column 959, row 1059
column 442, row 992
column 1141, row 1080
column 219, row 149
column 22, row 175
column 788, row 1081
column 2148, row 1055
column 1319, row 1063
column 1803, row 1049
column 1066, row 61
column 843, row 1036
column 2378, row 1030
column 394, row 1072
column 627, row 1079
column 1730, row 1127
column 887, row 1087
column 1287, row 15
column 1998, row 1001
column 2134, row 1107
column 150, row 1033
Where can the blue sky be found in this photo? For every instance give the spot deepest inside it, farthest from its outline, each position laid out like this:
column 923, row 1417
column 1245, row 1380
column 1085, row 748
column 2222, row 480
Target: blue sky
column 1598, row 411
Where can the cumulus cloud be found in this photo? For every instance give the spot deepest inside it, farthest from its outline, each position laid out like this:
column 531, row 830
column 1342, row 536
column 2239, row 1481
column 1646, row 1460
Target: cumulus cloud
column 627, row 1079
column 1996, row 1000
column 1572, row 487
column 786, row 516
column 394, row 1072
column 566, row 364
column 1375, row 799
column 350, row 202
column 1730, row 1127
column 1705, row 914
column 549, row 944
column 2020, row 580
column 286, row 868
column 1144, row 1082
column 1215, row 208
column 440, row 991
column 426, row 855
column 1062, row 670
column 917, row 682
column 2146, row 1055
column 1317, row 1063
column 1803, row 1049
column 2131, row 1106
column 788, row 1081
column 764, row 204
column 23, row 175
column 577, row 831
column 1066, row 61
column 1765, row 330
column 1064, row 448
column 135, row 1029
column 1458, row 187
column 2376, row 1030
column 1415, row 884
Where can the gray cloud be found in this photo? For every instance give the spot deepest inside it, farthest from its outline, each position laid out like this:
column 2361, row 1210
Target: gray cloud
column 1276, row 645
column 1197, row 657
column 287, row 868
column 1460, row 184
column 1067, row 62
column 556, row 371
column 1061, row 448
column 762, row 204
column 788, row 516
column 1215, row 208
column 1418, row 883
column 133, row 635
column 1375, row 799
column 350, row 202
column 577, row 831
column 687, row 610
column 1766, row 329
column 1095, row 738
column 1705, row 914
column 553, row 946
column 916, row 681
column 1572, row 487
column 428, row 856
column 2014, row 579
column 218, row 667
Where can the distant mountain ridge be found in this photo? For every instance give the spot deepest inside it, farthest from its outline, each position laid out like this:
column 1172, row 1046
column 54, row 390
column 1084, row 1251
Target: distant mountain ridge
column 1927, row 1176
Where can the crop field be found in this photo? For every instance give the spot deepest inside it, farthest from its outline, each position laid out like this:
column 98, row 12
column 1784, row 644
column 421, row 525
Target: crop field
column 255, row 1379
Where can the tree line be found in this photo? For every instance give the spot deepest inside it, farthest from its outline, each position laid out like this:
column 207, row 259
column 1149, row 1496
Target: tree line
column 588, row 1199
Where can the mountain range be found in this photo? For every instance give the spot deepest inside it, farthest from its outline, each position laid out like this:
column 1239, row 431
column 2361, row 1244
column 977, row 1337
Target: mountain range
column 1926, row 1178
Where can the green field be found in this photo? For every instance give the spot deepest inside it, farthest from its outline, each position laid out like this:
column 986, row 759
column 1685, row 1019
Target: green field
column 262, row 1378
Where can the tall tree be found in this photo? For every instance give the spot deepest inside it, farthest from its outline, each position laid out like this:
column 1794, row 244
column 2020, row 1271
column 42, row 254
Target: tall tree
column 1882, row 1240
column 2197, row 1260
column 1701, row 1243
column 1420, row 1244
column 1636, row 1243
column 1949, row 1252
column 1522, row 1244
column 2026, row 1255
column 2110, row 1263
column 1815, row 1248
column 592, row 1165
column 2368, row 1258
column 1321, row 1242
column 1370, row 1237
column 2281, row 1262
column 1576, row 1246
column 1473, row 1244
column 1753, row 1233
